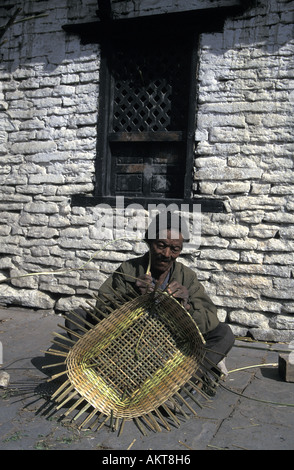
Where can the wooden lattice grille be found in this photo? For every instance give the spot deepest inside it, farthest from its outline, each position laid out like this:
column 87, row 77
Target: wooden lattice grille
column 150, row 86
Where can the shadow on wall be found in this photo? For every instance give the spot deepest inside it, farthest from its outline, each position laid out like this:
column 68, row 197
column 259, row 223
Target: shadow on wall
column 32, row 34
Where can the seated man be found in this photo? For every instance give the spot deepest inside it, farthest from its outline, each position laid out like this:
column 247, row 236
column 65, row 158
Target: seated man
column 179, row 280
column 159, row 267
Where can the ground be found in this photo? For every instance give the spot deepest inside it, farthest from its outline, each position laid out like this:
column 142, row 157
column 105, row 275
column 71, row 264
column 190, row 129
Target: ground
column 253, row 409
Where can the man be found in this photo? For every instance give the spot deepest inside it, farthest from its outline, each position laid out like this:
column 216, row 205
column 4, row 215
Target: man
column 166, row 273
column 159, row 268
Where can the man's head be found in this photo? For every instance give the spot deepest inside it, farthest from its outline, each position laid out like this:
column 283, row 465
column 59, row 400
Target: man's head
column 165, row 239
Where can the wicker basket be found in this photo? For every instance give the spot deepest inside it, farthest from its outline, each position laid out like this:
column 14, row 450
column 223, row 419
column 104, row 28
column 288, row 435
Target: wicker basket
column 132, row 362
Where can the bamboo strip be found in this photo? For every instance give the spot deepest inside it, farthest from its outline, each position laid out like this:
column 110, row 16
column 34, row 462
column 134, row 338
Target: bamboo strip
column 56, row 364
column 147, row 422
column 140, row 426
column 116, row 424
column 55, row 376
column 186, row 403
column 64, row 393
column 110, row 310
column 132, row 295
column 197, row 388
column 53, row 352
column 94, row 307
column 103, row 422
column 162, row 419
column 122, row 427
column 96, row 421
column 172, row 416
column 83, row 410
column 215, row 352
column 88, row 418
column 111, row 419
column 155, row 423
column 177, row 405
column 70, row 331
column 149, row 263
column 74, row 406
column 92, row 315
column 118, row 295
column 275, row 364
column 70, row 397
column 131, row 444
column 56, row 393
column 77, row 324
column 210, row 370
column 85, row 322
column 66, row 338
column 65, row 346
column 187, row 392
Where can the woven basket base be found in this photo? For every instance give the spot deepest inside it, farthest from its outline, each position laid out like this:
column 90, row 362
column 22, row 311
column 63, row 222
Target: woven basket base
column 144, row 361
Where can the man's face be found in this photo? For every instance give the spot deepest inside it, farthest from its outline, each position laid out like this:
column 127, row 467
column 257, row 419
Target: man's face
column 164, row 251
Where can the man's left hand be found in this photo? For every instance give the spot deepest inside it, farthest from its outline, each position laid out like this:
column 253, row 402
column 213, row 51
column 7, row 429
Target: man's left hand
column 179, row 292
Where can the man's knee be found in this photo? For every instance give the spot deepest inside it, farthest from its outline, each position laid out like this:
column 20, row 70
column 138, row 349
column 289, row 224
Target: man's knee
column 228, row 336
column 219, row 342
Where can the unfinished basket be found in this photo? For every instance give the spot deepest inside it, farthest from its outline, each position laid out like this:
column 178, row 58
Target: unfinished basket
column 133, row 364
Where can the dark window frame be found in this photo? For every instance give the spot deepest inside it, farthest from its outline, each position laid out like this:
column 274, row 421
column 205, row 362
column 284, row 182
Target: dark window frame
column 104, row 172
column 211, row 20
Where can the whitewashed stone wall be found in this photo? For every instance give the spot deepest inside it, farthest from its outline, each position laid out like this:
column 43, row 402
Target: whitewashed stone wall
column 244, row 156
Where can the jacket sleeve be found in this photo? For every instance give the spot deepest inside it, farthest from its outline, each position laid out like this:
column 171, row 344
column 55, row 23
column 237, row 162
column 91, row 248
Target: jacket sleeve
column 120, row 285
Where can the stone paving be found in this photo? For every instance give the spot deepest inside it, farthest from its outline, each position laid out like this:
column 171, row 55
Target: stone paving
column 246, row 413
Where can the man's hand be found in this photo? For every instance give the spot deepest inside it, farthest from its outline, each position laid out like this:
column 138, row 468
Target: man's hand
column 179, row 292
column 144, row 283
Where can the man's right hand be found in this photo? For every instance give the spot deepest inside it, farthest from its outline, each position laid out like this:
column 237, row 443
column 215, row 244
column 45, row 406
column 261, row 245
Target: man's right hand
column 144, row 283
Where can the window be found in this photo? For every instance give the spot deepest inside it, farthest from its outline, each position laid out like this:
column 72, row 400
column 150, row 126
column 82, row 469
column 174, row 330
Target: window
column 146, row 118
column 147, row 106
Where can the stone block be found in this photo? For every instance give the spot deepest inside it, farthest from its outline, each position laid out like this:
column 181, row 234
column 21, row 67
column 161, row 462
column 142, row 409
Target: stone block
column 286, row 367
column 4, row 379
column 25, row 297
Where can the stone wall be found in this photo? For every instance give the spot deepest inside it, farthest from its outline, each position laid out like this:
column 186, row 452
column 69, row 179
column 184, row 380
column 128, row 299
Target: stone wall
column 244, row 156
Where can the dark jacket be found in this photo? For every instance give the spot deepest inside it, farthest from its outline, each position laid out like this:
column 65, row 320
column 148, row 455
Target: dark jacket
column 202, row 310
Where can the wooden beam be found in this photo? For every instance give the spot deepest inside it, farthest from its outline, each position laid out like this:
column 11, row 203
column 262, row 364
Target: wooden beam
column 208, row 20
column 135, row 8
column 172, row 136
column 207, row 205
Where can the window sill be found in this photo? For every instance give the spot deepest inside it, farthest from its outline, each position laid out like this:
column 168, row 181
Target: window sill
column 207, row 205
